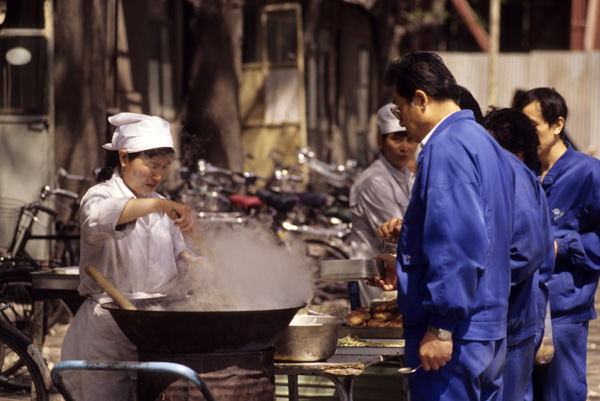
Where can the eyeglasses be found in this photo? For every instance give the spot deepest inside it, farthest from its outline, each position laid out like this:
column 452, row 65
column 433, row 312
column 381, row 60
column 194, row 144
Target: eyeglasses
column 396, row 112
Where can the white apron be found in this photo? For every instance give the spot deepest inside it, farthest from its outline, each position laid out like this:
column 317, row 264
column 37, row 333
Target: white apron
column 138, row 257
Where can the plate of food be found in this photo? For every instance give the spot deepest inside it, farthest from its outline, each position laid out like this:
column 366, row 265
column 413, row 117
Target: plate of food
column 381, row 320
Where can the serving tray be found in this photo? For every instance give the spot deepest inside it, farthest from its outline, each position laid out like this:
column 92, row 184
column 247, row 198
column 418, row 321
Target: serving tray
column 351, row 269
column 372, row 332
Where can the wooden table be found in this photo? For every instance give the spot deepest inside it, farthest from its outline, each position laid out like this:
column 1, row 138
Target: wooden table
column 347, row 365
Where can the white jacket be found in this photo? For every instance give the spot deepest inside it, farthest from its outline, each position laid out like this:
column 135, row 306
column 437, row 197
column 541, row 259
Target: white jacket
column 380, row 193
column 138, row 257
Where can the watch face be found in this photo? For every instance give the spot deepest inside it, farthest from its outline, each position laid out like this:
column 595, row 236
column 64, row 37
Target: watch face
column 440, row 333
column 444, row 334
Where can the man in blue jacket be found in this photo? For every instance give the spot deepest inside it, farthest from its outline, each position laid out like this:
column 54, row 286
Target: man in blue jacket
column 571, row 181
column 532, row 250
column 453, row 273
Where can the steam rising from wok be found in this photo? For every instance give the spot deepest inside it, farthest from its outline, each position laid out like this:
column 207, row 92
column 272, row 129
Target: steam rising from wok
column 243, row 267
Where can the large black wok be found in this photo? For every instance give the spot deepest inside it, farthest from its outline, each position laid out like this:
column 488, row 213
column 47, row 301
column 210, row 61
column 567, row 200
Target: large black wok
column 181, row 331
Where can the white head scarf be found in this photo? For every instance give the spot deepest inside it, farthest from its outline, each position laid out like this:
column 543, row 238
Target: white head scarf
column 139, row 132
column 386, row 121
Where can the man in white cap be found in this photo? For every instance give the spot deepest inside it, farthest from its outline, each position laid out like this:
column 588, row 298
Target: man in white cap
column 381, row 192
column 133, row 236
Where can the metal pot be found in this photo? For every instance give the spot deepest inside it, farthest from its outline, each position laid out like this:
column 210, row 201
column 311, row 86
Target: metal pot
column 183, row 331
column 309, row 338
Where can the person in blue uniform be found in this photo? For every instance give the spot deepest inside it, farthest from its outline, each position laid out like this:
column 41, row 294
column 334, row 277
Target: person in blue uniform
column 532, row 250
column 571, row 181
column 453, row 267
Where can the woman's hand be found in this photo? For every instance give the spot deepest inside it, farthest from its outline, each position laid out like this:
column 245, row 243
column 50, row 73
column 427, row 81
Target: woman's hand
column 390, row 230
column 390, row 281
column 182, row 215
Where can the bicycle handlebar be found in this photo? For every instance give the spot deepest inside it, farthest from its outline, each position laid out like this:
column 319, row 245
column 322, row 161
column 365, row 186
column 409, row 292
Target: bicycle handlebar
column 47, row 210
column 66, row 193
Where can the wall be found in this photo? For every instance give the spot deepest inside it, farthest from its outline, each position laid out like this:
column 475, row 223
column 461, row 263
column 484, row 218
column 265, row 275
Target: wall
column 575, row 75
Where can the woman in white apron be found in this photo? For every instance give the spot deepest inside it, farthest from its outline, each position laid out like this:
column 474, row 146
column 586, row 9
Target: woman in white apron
column 129, row 233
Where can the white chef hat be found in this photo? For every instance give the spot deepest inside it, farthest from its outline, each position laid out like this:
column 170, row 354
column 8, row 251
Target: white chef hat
column 138, row 132
column 386, row 121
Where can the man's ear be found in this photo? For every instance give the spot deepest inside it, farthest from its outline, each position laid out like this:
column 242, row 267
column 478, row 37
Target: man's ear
column 420, row 98
column 559, row 126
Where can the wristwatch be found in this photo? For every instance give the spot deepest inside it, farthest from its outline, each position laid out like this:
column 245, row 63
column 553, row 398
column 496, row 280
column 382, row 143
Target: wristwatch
column 440, row 333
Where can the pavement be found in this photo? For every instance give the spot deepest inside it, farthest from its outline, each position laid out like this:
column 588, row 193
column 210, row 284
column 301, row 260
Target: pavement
column 51, row 352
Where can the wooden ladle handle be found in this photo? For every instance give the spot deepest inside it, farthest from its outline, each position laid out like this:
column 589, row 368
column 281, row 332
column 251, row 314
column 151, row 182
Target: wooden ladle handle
column 110, row 289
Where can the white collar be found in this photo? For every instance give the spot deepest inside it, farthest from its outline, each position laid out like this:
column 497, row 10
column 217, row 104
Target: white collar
column 428, row 136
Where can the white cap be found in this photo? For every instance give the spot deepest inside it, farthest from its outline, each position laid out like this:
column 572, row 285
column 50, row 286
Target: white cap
column 139, row 132
column 386, row 121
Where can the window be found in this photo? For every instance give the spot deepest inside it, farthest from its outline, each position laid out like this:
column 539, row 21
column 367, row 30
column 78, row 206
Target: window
column 23, row 75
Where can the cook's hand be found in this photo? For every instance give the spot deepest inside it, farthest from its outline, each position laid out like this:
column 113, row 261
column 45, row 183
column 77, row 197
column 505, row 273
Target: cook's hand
column 433, row 352
column 182, row 215
column 390, row 230
column 390, row 281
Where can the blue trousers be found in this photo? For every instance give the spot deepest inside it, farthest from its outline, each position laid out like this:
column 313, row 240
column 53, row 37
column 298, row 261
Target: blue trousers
column 564, row 378
column 474, row 373
column 516, row 374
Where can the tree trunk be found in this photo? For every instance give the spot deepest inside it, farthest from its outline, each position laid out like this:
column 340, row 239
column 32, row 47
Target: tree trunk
column 211, row 127
column 79, row 84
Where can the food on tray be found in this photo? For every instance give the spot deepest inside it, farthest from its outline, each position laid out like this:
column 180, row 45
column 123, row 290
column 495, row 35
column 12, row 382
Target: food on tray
column 397, row 322
column 379, row 307
column 376, row 323
column 357, row 317
column 383, row 314
column 350, row 341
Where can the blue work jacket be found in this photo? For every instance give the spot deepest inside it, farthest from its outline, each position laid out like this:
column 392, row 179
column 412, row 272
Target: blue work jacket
column 531, row 255
column 572, row 187
column 454, row 248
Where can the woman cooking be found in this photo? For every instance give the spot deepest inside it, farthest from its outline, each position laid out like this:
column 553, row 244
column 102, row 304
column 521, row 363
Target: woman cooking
column 130, row 234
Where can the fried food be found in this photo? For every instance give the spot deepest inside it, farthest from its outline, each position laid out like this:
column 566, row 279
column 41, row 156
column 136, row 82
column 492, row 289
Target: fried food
column 385, row 316
column 376, row 323
column 392, row 306
column 357, row 317
column 378, row 308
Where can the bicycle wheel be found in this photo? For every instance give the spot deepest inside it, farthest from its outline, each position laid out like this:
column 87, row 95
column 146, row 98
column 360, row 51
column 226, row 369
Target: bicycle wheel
column 18, row 370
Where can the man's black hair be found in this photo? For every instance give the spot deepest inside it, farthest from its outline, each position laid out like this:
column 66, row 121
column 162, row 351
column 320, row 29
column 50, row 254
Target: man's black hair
column 515, row 132
column 422, row 70
column 552, row 104
column 467, row 101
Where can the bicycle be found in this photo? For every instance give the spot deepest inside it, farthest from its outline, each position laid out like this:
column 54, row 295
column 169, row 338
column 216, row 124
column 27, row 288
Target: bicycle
column 16, row 262
column 22, row 366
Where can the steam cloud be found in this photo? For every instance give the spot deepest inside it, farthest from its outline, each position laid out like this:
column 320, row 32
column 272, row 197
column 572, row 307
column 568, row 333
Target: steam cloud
column 243, row 267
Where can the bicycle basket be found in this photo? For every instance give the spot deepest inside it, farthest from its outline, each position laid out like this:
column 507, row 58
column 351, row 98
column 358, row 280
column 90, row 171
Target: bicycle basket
column 9, row 216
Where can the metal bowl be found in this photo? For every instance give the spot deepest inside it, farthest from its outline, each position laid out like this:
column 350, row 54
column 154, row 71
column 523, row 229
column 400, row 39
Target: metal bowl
column 308, row 338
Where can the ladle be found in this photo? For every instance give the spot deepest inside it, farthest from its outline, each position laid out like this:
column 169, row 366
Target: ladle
column 109, row 288
column 408, row 370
